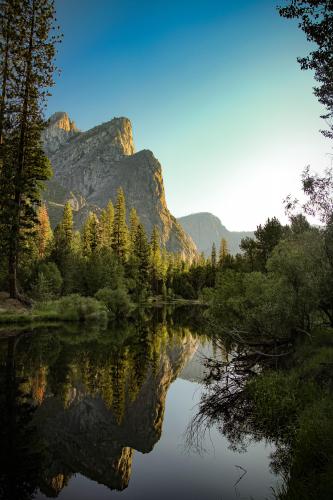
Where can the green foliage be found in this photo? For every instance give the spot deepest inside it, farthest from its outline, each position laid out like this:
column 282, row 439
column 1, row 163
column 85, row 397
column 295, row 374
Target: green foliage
column 223, row 252
column 48, row 282
column 26, row 69
column 267, row 237
column 134, row 222
column 249, row 248
column 120, row 236
column 77, row 308
column 280, row 293
column 91, row 235
column 101, row 269
column 285, row 301
column 294, row 408
column 117, row 301
column 141, row 260
column 213, row 256
column 106, row 225
column 157, row 263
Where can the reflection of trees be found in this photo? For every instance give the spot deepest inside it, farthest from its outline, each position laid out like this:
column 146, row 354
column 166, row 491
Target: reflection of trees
column 20, row 458
column 94, row 397
column 228, row 404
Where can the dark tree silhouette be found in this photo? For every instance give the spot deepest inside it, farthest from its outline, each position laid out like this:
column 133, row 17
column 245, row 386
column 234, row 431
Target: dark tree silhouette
column 316, row 20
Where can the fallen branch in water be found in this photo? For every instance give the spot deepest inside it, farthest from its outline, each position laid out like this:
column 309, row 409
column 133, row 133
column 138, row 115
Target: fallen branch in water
column 241, row 477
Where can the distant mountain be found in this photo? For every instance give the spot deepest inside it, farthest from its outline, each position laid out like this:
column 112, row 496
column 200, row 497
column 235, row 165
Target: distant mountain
column 205, row 228
column 89, row 167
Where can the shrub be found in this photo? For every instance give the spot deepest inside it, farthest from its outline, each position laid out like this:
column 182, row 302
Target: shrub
column 77, row 308
column 116, row 301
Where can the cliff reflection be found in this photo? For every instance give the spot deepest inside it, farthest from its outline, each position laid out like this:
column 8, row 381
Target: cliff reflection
column 81, row 401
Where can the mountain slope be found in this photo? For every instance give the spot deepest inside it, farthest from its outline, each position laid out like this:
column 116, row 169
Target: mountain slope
column 90, row 166
column 206, row 229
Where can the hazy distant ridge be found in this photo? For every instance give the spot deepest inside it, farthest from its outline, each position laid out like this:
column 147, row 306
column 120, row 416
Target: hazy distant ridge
column 205, row 228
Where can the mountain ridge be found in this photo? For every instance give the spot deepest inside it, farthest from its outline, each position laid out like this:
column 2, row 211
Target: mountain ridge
column 206, row 228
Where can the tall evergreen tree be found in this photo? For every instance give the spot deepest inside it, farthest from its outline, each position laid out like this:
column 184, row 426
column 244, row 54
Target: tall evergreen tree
column 120, row 236
column 67, row 225
column 44, row 232
column 213, row 256
column 223, row 251
column 250, row 249
column 134, row 222
column 156, row 263
column 142, row 254
column 267, row 237
column 7, row 34
column 27, row 53
column 91, row 236
column 63, row 246
column 106, row 225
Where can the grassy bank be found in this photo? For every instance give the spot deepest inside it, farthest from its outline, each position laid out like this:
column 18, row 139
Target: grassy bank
column 75, row 308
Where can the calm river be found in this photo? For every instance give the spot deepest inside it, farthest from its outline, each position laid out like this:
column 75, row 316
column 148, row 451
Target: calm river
column 99, row 413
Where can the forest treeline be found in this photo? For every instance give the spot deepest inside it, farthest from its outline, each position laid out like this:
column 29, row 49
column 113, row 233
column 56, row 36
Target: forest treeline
column 110, row 255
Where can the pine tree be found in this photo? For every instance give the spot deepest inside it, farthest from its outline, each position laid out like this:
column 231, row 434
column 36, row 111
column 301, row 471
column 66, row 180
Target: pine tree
column 64, row 235
column 106, row 225
column 142, row 254
column 213, row 256
column 26, row 76
column 120, row 236
column 267, row 237
column 91, row 236
column 7, row 31
column 68, row 225
column 44, row 232
column 202, row 259
column 250, row 249
column 134, row 222
column 63, row 246
column 223, row 252
column 156, row 264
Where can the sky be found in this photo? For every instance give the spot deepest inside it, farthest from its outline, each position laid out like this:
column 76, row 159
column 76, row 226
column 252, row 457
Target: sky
column 212, row 87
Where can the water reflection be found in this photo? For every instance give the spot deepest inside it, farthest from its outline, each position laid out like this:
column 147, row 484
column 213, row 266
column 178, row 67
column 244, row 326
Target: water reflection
column 20, row 450
column 79, row 400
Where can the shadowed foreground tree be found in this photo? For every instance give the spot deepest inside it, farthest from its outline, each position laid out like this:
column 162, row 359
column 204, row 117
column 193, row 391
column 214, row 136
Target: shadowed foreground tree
column 27, row 52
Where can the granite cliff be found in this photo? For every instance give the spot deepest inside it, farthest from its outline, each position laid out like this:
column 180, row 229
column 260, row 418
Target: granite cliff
column 90, row 166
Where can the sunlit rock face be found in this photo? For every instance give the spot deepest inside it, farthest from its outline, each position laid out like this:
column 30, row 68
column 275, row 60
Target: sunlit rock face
column 59, row 131
column 97, row 438
column 94, row 164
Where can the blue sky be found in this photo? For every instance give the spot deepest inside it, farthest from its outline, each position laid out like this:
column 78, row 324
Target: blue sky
column 213, row 88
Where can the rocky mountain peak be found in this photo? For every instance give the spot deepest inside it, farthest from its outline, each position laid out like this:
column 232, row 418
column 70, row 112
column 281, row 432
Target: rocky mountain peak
column 61, row 120
column 59, row 130
column 90, row 166
column 116, row 134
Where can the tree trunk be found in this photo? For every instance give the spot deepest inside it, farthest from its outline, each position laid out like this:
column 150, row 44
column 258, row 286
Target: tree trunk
column 12, row 271
column 4, row 90
column 14, row 244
